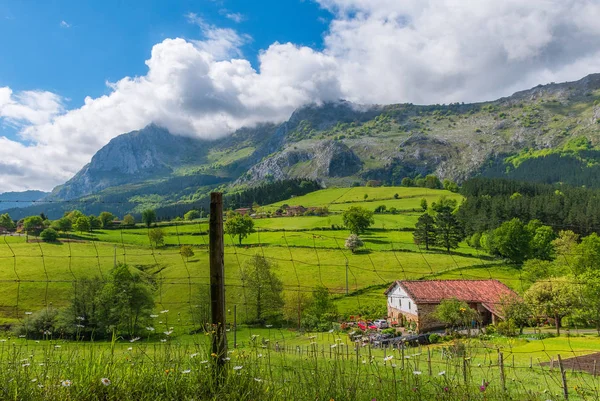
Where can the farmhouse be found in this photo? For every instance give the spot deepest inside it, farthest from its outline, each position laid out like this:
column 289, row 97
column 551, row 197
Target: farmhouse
column 416, row 300
column 244, row 211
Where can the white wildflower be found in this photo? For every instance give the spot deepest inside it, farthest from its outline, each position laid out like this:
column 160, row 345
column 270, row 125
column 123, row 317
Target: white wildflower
column 168, row 333
column 150, row 328
column 57, row 346
column 25, row 365
column 257, row 379
column 163, row 340
column 153, row 316
column 66, row 383
column 106, row 381
column 334, row 345
column 388, row 358
column 134, row 339
column 237, row 367
column 442, row 373
column 164, row 311
column 331, row 331
column 204, row 362
column 80, row 318
column 130, row 349
column 227, row 359
column 33, row 380
column 185, row 372
column 194, row 355
column 416, row 372
column 29, row 313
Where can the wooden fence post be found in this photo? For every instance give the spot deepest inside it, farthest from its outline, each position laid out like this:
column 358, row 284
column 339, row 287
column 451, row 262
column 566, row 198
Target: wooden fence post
column 563, row 376
column 217, row 281
column 429, row 360
column 501, row 366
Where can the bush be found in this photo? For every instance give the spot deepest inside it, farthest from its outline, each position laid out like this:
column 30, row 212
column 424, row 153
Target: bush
column 49, row 235
column 434, row 338
column 41, row 324
column 506, row 329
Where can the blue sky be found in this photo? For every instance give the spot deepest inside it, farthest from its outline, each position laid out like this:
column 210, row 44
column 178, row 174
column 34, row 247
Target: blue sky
column 75, row 74
column 106, row 40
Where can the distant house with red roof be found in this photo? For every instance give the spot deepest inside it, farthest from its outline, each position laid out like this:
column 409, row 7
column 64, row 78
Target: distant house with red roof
column 416, row 300
column 244, row 211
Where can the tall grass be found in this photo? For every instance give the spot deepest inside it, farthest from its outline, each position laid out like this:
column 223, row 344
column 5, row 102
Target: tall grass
column 51, row 370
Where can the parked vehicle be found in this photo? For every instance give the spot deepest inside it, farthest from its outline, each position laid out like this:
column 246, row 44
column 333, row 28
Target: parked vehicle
column 381, row 324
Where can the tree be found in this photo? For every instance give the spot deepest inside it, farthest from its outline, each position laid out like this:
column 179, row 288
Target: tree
column 156, row 236
column 449, row 232
column 83, row 318
column 554, row 298
column 590, row 297
column 73, row 215
column 512, row 240
column 95, row 222
column 588, row 254
column 423, row 204
column 515, row 311
column 425, row 231
column 192, row 215
column 82, row 224
column 432, row 182
column 365, row 196
column 450, row 185
column 455, row 313
column 49, row 235
column 357, row 219
column 63, row 224
column 321, row 304
column 239, row 225
column 148, row 217
column 396, row 196
column 296, row 304
column 407, row 182
column 106, row 218
column 128, row 220
column 541, row 245
column 186, row 251
column 353, row 242
column 129, row 302
column 7, row 222
column 263, row 288
column 33, row 225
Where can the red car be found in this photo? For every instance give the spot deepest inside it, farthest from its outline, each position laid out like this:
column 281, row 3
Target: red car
column 364, row 326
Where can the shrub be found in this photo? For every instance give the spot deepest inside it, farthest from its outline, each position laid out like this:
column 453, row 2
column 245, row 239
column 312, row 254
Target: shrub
column 506, row 329
column 434, row 338
column 49, row 235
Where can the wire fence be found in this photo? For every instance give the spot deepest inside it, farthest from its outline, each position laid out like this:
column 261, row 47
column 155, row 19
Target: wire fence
column 36, row 276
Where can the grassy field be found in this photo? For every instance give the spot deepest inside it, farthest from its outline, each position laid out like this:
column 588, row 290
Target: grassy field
column 275, row 364
column 305, row 251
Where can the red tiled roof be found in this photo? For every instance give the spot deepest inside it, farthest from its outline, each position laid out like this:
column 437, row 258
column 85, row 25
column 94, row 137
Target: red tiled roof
column 487, row 292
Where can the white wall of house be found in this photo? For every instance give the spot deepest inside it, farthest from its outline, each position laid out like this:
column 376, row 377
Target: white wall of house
column 399, row 299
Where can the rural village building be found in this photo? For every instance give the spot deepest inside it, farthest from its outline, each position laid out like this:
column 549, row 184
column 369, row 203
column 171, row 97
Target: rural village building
column 416, row 300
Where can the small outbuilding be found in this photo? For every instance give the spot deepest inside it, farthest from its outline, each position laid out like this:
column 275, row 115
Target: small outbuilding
column 416, row 300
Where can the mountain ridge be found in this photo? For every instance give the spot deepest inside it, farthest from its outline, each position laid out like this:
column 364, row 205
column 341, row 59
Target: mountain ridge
column 341, row 144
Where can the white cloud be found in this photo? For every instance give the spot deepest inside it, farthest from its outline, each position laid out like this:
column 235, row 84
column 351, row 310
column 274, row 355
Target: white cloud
column 376, row 51
column 235, row 17
column 64, row 24
column 28, row 107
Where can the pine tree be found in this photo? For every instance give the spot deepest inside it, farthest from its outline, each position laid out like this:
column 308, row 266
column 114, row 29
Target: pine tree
column 448, row 230
column 425, row 231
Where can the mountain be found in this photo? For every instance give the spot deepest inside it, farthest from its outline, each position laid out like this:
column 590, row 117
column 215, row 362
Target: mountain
column 9, row 200
column 549, row 133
